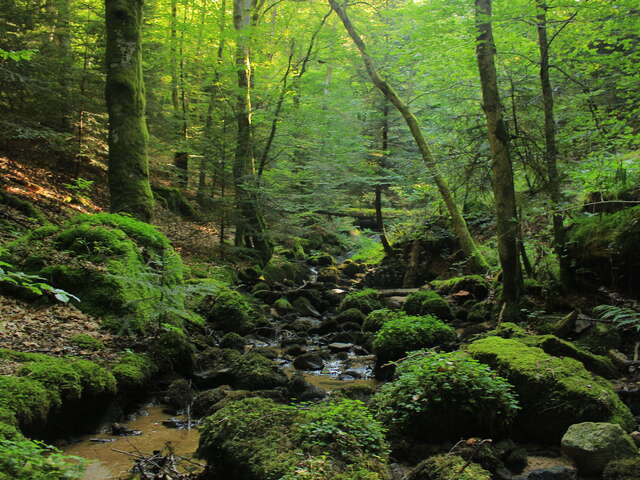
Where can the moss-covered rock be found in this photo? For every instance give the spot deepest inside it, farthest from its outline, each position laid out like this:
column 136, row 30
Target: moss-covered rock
column 351, row 315
column 116, row 265
column 557, row 347
column 428, row 302
column 405, row 333
column 86, row 342
column 446, row 396
column 234, row 341
column 227, row 310
column 171, row 350
column 480, row 312
column 604, row 248
column 26, row 399
column 174, row 200
column 593, row 445
column 554, row 392
column 447, row 467
column 509, row 330
column 623, row 469
column 476, row 285
column 253, row 371
column 133, row 371
column 280, row 270
column 258, row 439
column 600, row 338
column 329, row 275
column 366, row 301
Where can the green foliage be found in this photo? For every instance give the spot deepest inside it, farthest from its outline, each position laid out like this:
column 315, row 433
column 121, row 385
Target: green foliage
column 448, row 467
column 445, row 397
column 227, row 310
column 404, row 333
column 366, row 301
column 253, row 371
column 428, row 302
column 33, row 284
column 376, row 319
column 341, row 429
column 80, row 187
column 351, row 315
column 623, row 318
column 368, row 251
column 622, row 469
column 554, row 392
column 22, row 459
column 17, row 56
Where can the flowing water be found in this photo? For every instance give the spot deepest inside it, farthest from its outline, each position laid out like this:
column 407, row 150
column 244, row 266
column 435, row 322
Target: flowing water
column 106, row 463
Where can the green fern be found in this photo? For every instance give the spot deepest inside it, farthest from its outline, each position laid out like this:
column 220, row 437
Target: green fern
column 622, row 317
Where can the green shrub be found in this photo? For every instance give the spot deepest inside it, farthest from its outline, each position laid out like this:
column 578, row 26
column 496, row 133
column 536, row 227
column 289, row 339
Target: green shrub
column 377, row 318
column 428, row 302
column 22, row 459
column 446, row 396
column 404, row 333
column 366, row 301
column 227, row 310
column 340, row 429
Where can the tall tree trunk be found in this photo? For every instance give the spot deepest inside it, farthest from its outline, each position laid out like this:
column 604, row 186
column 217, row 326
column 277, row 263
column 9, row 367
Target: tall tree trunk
column 551, row 149
column 125, row 95
column 173, row 54
column 503, row 189
column 384, row 143
column 250, row 226
column 459, row 224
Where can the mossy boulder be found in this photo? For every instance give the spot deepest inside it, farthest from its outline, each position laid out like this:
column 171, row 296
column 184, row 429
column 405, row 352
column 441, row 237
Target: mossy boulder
column 351, row 315
column 593, row 445
column 623, row 469
column 447, row 467
column 172, row 350
column 119, row 267
column 480, row 312
column 406, row 333
column 366, row 301
column 234, row 341
column 604, row 248
column 86, row 342
column 329, row 274
column 258, row 439
column 280, row 270
column 227, row 310
column 557, row 347
column 253, row 371
column 174, row 200
column 133, row 371
column 446, row 396
column 476, row 285
column 428, row 302
column 554, row 392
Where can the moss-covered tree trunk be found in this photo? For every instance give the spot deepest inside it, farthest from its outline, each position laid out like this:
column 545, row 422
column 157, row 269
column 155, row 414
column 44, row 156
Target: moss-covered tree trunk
column 250, row 225
column 503, row 188
column 457, row 221
column 128, row 164
column 551, row 149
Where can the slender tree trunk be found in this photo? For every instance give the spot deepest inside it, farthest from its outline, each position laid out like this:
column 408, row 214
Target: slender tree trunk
column 173, row 54
column 250, row 226
column 503, row 188
column 379, row 187
column 128, row 164
column 551, row 149
column 459, row 224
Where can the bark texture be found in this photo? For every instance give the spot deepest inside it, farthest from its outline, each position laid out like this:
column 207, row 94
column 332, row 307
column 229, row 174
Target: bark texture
column 128, row 137
column 502, row 170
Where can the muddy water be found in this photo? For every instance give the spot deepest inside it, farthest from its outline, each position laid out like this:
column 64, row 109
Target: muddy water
column 107, row 464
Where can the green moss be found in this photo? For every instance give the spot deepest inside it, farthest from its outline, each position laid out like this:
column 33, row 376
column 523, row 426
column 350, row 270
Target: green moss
column 116, row 265
column 554, row 392
column 133, row 371
column 480, row 312
column 446, row 396
column 376, row 319
column 281, row 270
column 555, row 346
column 448, row 467
column 172, row 351
column 25, row 398
column 86, row 342
column 366, row 301
column 329, row 275
column 227, row 310
column 624, row 469
column 509, row 330
column 258, row 439
column 351, row 315
column 475, row 284
column 283, row 305
column 174, row 200
column 253, row 371
column 234, row 341
column 428, row 302
column 23, row 206
column 404, row 333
